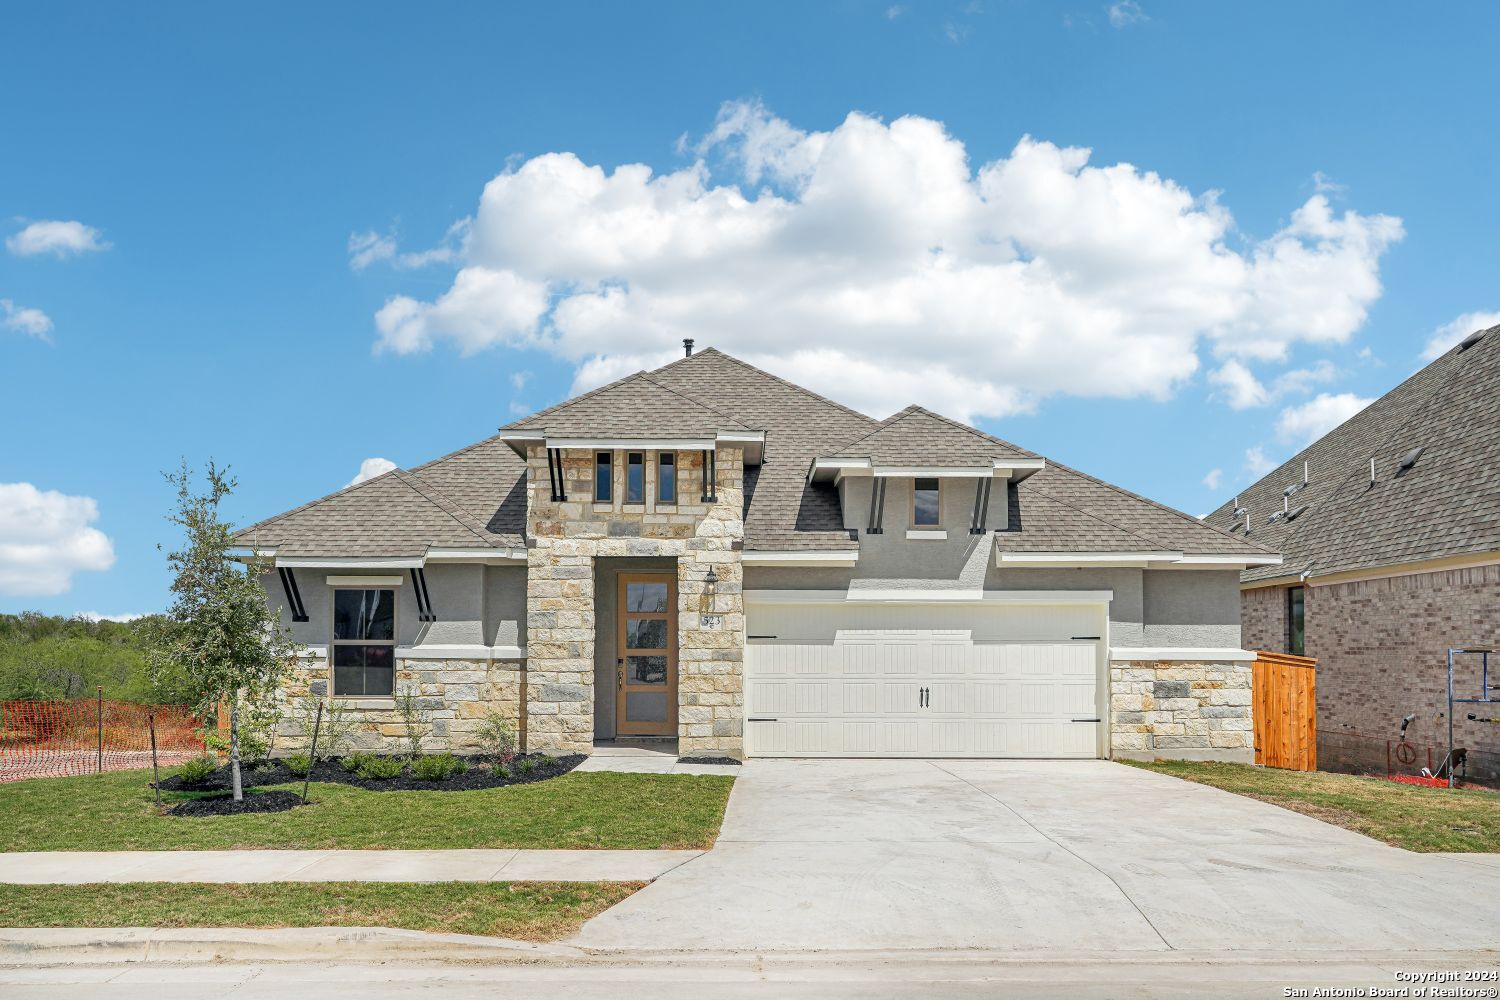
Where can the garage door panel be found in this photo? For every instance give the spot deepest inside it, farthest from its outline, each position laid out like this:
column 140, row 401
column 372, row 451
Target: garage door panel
column 922, row 680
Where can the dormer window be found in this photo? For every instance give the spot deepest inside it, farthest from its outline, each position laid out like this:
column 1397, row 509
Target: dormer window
column 926, row 503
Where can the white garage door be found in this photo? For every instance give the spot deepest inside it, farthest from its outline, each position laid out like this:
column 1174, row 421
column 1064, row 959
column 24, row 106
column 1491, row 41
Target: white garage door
column 835, row 679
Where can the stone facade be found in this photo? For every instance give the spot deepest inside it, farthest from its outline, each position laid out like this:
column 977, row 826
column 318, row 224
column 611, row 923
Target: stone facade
column 456, row 694
column 1198, row 711
column 569, row 535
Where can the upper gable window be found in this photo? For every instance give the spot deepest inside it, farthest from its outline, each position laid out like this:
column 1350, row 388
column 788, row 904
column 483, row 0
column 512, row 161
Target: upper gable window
column 604, row 480
column 635, row 477
column 926, row 503
column 666, row 477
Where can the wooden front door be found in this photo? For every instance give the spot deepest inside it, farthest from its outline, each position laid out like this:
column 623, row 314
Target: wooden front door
column 646, row 651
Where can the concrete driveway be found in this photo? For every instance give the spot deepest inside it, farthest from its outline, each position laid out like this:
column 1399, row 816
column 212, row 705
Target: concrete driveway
column 1049, row 856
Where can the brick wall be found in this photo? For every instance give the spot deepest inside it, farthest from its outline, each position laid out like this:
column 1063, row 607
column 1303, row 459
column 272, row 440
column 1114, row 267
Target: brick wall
column 1381, row 648
column 1263, row 619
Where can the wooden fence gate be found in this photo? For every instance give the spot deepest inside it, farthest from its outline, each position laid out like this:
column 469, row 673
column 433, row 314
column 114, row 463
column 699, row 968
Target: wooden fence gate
column 1284, row 700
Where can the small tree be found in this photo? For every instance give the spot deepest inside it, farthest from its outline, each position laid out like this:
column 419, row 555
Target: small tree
column 220, row 634
column 415, row 720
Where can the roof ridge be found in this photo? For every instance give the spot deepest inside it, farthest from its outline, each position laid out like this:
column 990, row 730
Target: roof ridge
column 515, row 424
column 443, row 502
column 1030, row 484
column 761, row 371
column 313, row 503
column 697, row 402
column 959, row 425
column 452, row 454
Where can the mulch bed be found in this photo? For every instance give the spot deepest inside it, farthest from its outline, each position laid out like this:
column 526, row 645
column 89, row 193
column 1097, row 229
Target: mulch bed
column 479, row 775
column 225, row 805
column 708, row 760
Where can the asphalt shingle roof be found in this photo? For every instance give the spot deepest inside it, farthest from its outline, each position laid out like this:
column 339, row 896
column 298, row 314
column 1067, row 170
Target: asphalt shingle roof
column 1447, row 504
column 475, row 497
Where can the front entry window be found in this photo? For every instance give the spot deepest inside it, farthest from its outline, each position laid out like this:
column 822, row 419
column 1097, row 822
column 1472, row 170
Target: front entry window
column 364, row 643
column 647, row 657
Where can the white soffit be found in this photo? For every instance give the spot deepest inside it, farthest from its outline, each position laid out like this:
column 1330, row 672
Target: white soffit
column 1135, row 560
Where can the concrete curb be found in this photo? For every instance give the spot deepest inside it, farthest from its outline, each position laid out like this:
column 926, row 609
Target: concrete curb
column 40, row 947
column 126, row 945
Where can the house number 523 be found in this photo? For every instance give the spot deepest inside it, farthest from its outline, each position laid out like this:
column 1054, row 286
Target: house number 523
column 713, row 621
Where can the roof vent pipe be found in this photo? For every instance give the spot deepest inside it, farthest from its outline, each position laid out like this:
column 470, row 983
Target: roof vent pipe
column 1471, row 340
column 1372, row 470
column 687, row 347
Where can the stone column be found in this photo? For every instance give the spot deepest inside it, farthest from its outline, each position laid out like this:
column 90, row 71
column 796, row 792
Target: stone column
column 1187, row 711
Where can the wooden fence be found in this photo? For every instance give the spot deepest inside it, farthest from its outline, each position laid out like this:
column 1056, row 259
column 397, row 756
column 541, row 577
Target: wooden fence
column 1284, row 700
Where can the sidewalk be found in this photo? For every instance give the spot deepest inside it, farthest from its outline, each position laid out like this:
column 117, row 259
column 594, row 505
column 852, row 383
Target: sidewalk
column 76, row 867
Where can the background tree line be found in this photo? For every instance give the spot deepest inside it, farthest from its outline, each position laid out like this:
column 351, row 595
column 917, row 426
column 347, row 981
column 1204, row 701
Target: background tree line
column 48, row 657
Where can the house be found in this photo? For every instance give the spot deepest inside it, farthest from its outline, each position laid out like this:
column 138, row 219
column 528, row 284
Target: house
column 1390, row 530
column 711, row 553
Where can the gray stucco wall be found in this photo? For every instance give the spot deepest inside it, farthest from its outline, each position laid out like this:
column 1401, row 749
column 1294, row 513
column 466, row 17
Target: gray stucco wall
column 475, row 605
column 1192, row 608
column 606, row 570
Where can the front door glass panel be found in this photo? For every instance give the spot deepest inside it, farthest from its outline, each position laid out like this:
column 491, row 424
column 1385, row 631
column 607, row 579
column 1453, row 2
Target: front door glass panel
column 646, row 703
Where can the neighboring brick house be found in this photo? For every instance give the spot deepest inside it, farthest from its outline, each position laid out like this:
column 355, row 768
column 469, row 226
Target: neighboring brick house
column 710, row 554
column 1387, row 566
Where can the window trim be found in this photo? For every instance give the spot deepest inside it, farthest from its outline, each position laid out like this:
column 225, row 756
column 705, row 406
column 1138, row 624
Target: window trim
column 1296, row 596
column 607, row 481
column 918, row 525
column 671, row 457
column 625, row 498
column 334, row 641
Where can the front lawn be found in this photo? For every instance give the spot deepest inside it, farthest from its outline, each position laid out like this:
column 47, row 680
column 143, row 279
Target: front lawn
column 114, row 812
column 1409, row 816
column 531, row 911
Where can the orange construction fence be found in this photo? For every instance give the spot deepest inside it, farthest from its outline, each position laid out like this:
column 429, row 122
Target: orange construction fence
column 42, row 739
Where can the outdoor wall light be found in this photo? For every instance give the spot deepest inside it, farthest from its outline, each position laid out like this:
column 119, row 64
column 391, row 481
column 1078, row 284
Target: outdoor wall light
column 711, row 582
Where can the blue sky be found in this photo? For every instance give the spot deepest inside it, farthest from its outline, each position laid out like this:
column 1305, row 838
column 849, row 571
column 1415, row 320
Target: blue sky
column 1306, row 197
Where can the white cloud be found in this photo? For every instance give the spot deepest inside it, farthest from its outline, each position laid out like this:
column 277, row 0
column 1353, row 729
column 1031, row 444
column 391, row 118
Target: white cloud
column 45, row 537
column 61, row 239
column 1305, row 423
column 873, row 262
column 94, row 616
column 370, row 468
column 1242, row 389
column 1256, row 462
column 1213, row 478
column 370, row 247
column 894, row 11
column 1124, row 13
column 32, row 322
column 518, row 380
column 1451, row 332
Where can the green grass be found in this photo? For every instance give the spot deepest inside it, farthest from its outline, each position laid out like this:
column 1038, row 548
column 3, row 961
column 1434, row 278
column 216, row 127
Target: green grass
column 1409, row 816
column 114, row 812
column 532, row 911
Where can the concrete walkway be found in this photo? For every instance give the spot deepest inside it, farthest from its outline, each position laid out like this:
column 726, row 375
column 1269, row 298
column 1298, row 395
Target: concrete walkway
column 75, row 867
column 646, row 757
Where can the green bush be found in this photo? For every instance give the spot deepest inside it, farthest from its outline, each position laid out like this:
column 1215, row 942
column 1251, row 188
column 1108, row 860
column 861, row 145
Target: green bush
column 355, row 761
column 198, row 770
column 497, row 736
column 525, row 765
column 47, row 657
column 299, row 765
column 500, row 770
column 437, row 767
column 380, row 768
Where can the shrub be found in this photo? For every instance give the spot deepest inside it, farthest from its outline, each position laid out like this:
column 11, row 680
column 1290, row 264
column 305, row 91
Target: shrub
column 497, row 737
column 526, row 765
column 335, row 733
column 414, row 719
column 355, row 761
column 198, row 770
column 438, row 767
column 380, row 768
column 500, row 770
column 299, row 764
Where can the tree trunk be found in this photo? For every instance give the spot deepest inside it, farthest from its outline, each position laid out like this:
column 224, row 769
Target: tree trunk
column 234, row 748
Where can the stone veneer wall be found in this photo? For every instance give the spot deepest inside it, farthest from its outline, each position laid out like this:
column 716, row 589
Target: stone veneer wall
column 1191, row 711
column 457, row 695
column 568, row 536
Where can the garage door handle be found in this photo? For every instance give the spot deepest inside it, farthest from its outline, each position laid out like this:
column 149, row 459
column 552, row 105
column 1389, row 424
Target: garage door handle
column 762, row 720
column 1094, row 719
